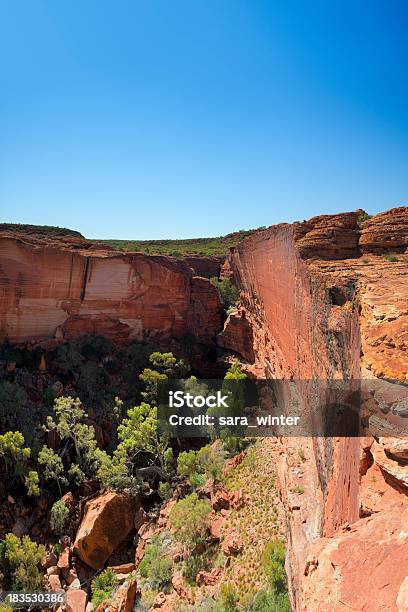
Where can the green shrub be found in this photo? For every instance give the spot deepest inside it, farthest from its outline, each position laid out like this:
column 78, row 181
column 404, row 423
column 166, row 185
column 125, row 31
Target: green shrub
column 211, row 460
column 197, row 466
column 228, row 292
column 13, row 454
column 59, row 517
column 190, row 520
column 19, row 560
column 32, row 481
column 103, row 586
column 228, row 597
column 273, row 561
column 165, row 490
column 155, row 566
column 94, row 347
column 53, row 467
column 187, row 464
column 266, row 601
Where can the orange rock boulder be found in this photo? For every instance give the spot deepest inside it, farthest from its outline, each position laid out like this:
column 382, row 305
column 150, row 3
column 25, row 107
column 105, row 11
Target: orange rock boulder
column 107, row 521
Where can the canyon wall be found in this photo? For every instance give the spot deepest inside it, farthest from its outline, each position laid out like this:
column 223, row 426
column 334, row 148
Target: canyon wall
column 54, row 289
column 324, row 299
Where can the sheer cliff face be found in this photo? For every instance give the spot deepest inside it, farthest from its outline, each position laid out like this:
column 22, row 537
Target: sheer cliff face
column 51, row 290
column 324, row 299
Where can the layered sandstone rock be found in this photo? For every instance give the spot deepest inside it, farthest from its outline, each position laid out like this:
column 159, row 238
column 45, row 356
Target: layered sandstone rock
column 386, row 232
column 328, row 236
column 319, row 309
column 52, row 289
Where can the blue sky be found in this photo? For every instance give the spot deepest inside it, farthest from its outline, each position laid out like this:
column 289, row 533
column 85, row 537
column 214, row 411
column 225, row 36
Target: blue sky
column 164, row 119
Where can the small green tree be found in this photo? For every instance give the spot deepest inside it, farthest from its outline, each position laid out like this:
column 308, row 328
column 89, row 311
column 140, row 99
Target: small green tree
column 114, row 473
column 196, row 466
column 53, row 467
column 12, row 401
column 211, row 460
column 139, row 436
column 233, row 387
column 164, row 367
column 187, row 464
column 69, row 415
column 19, row 560
column 167, row 364
column 59, row 517
column 190, row 520
column 13, row 453
column 32, row 481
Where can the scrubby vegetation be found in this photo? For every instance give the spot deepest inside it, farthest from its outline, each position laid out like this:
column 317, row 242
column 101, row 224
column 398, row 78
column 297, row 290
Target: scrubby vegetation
column 156, row 566
column 40, row 231
column 218, row 245
column 229, row 293
column 103, row 586
column 59, row 517
column 190, row 520
column 97, row 427
column 19, row 563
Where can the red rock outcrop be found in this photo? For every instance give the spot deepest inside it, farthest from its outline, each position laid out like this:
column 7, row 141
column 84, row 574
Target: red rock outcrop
column 328, row 236
column 53, row 289
column 322, row 302
column 107, row 521
column 237, row 335
column 386, row 232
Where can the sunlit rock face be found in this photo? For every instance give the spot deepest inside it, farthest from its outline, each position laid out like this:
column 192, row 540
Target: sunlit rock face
column 50, row 289
column 327, row 299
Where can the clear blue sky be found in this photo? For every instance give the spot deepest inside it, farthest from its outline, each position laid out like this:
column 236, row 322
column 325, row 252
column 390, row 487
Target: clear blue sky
column 172, row 118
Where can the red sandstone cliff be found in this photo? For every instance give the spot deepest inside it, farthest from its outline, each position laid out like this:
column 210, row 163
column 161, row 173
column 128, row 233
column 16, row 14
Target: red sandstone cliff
column 67, row 288
column 318, row 301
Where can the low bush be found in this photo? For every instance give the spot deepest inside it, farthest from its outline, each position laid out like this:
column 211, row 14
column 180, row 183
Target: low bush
column 19, row 561
column 59, row 517
column 190, row 520
column 228, row 597
column 103, row 586
column 228, row 292
column 156, row 567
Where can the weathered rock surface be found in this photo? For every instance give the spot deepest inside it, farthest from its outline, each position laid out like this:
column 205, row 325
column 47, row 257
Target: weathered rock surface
column 232, row 543
column 361, row 569
column 237, row 335
column 386, row 232
column 124, row 597
column 62, row 290
column 320, row 309
column 328, row 236
column 107, row 521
